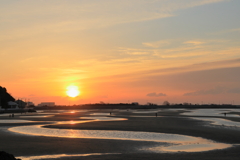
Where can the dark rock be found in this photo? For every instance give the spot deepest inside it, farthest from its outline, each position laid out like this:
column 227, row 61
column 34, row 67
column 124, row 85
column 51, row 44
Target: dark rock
column 7, row 156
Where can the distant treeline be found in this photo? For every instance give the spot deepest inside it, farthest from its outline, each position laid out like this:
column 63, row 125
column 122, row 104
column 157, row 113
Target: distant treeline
column 136, row 106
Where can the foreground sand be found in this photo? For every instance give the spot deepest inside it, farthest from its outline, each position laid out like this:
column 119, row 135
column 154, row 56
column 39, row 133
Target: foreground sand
column 170, row 122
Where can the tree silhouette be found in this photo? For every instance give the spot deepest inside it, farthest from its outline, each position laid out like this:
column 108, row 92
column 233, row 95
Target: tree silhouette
column 166, row 103
column 5, row 97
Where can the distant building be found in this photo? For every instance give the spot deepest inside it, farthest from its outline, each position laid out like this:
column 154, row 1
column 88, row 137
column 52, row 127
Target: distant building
column 30, row 104
column 49, row 104
column 12, row 105
column 21, row 103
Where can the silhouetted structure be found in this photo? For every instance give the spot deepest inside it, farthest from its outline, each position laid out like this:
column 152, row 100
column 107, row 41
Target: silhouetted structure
column 21, row 103
column 5, row 97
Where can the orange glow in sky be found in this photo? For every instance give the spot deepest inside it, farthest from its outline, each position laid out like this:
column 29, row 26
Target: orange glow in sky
column 121, row 51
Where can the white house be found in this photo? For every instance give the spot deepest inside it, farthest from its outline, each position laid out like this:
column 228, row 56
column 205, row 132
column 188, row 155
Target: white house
column 13, row 105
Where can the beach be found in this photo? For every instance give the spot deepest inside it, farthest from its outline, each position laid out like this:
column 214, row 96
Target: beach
column 137, row 121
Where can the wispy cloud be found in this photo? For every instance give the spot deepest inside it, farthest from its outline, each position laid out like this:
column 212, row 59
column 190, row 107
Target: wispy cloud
column 133, row 52
column 194, row 42
column 217, row 90
column 64, row 70
column 178, row 49
column 157, row 44
column 154, row 94
column 178, row 70
column 213, row 91
column 227, row 31
column 202, row 66
column 80, row 15
column 234, row 90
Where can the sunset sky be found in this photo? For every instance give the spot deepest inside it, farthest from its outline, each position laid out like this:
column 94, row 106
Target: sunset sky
column 121, row 50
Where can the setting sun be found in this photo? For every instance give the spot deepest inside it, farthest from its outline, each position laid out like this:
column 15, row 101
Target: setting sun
column 72, row 91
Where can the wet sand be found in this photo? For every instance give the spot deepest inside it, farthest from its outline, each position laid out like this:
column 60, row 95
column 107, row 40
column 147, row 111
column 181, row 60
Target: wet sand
column 169, row 122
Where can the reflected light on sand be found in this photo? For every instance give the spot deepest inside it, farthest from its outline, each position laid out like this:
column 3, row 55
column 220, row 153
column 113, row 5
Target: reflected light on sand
column 61, row 156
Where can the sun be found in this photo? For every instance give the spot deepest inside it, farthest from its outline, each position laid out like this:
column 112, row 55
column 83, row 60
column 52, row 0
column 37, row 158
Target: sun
column 72, row 91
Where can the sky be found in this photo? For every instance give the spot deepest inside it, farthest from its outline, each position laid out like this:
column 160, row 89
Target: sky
column 121, row 51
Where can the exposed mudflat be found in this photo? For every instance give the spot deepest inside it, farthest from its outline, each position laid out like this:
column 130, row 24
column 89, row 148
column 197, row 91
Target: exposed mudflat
column 174, row 122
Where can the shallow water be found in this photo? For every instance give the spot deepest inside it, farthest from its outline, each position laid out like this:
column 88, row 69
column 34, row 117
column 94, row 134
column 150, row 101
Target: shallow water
column 220, row 121
column 146, row 116
column 146, row 111
column 36, row 116
column 175, row 142
column 103, row 134
column 178, row 142
column 197, row 147
column 14, row 121
column 61, row 156
column 105, row 118
column 7, row 114
column 212, row 112
column 100, row 114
